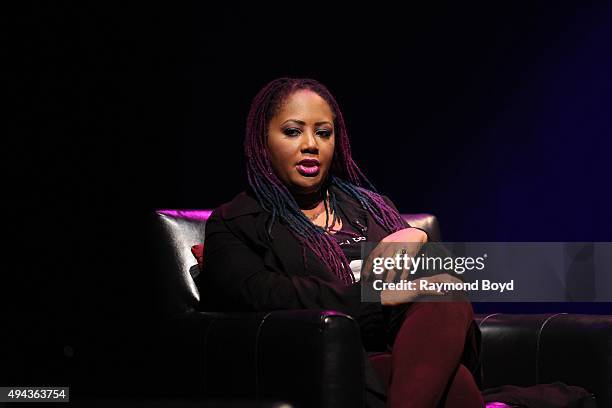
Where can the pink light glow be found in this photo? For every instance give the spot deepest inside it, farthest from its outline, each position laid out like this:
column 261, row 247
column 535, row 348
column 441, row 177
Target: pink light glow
column 195, row 215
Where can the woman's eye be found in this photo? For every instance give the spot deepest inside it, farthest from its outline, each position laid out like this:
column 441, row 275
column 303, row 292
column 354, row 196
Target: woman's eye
column 291, row 132
column 324, row 133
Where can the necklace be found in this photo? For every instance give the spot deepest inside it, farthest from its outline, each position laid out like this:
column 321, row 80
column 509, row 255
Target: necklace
column 328, row 228
column 315, row 216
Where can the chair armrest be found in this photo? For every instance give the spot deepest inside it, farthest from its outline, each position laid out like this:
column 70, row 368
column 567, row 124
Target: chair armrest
column 531, row 349
column 306, row 357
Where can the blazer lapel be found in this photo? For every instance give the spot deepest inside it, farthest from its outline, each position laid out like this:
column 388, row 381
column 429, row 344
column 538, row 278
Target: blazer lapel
column 290, row 253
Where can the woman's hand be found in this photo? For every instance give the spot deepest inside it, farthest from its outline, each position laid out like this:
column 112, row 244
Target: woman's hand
column 407, row 241
column 405, row 244
column 394, row 297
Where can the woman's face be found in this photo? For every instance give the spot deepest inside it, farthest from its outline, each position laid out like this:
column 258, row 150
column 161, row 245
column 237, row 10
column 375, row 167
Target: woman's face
column 301, row 141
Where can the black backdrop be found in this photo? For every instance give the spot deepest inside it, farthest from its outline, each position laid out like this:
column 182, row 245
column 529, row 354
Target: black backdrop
column 493, row 116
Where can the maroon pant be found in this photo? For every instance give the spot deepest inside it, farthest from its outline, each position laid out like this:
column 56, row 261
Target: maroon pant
column 425, row 369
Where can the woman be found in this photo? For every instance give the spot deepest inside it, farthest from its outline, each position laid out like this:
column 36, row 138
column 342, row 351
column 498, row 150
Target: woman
column 289, row 240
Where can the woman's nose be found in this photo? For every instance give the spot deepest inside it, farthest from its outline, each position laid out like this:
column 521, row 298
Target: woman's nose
column 309, row 141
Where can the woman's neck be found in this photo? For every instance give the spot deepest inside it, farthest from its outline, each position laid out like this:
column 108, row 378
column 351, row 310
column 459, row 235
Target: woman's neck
column 313, row 206
column 309, row 201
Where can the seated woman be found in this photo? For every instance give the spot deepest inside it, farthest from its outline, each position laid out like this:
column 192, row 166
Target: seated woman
column 289, row 240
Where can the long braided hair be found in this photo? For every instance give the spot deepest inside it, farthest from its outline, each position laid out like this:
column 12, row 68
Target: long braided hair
column 344, row 173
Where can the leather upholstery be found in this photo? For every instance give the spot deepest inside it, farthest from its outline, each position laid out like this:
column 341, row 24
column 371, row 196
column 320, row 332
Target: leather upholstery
column 276, row 355
column 173, row 234
column 426, row 222
column 267, row 356
column 271, row 356
column 175, row 231
column 537, row 349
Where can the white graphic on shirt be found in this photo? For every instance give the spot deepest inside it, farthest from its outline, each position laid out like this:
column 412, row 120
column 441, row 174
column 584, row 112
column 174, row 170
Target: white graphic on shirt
column 353, row 240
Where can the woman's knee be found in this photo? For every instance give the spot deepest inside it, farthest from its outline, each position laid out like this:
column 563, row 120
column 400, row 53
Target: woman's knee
column 443, row 320
column 439, row 319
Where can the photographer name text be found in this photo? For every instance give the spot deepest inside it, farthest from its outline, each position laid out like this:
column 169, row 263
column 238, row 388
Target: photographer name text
column 423, row 284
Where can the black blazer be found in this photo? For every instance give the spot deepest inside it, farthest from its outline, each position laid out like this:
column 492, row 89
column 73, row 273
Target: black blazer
column 245, row 270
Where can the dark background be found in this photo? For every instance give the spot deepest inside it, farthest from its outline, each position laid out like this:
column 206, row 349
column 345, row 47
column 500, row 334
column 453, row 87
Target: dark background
column 495, row 116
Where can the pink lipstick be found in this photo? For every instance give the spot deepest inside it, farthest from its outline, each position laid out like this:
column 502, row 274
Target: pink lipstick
column 308, row 167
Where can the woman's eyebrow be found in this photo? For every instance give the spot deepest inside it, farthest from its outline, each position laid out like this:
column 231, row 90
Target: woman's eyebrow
column 301, row 122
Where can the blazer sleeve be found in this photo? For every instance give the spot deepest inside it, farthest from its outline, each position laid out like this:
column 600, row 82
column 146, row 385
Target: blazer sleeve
column 239, row 277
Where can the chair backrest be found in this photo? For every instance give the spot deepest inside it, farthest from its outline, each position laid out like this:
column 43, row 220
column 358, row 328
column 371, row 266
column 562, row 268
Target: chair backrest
column 176, row 231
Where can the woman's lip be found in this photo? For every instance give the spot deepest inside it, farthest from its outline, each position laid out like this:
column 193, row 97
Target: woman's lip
column 308, row 171
column 309, row 162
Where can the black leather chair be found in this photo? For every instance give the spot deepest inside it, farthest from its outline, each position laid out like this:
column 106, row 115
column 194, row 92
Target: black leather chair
column 275, row 356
